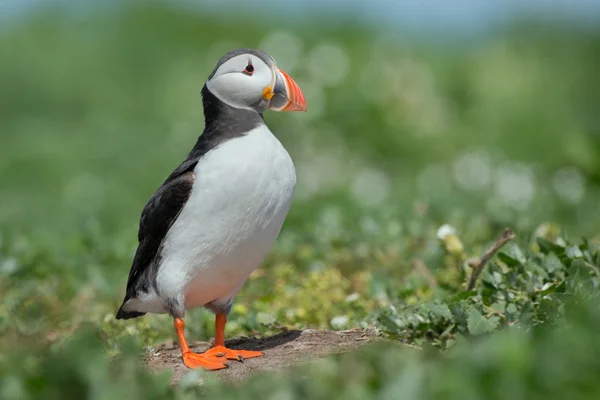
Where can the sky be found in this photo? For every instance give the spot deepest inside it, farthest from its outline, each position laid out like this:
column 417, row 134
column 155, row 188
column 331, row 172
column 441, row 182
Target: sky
column 460, row 17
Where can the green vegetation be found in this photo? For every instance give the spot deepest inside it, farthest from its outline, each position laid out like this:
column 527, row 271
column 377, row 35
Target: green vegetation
column 401, row 138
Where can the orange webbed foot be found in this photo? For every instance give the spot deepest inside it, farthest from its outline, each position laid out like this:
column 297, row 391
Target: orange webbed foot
column 195, row 361
column 230, row 354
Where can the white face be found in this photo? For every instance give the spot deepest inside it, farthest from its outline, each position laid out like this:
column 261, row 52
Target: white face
column 241, row 81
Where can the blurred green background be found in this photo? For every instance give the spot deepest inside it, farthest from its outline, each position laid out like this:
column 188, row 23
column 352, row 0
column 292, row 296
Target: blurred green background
column 404, row 133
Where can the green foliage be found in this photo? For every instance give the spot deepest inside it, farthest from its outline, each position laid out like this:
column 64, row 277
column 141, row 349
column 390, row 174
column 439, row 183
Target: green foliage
column 478, row 324
column 518, row 288
column 79, row 370
column 95, row 110
column 544, row 362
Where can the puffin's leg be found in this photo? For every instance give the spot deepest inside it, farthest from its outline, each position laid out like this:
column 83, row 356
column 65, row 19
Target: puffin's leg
column 219, row 349
column 191, row 359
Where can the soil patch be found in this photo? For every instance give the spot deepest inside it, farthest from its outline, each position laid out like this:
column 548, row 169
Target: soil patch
column 281, row 351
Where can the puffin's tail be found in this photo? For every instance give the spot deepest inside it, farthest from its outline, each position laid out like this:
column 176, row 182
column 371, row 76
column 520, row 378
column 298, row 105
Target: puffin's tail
column 122, row 314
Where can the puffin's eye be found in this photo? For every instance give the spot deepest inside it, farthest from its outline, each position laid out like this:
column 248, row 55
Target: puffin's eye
column 249, row 70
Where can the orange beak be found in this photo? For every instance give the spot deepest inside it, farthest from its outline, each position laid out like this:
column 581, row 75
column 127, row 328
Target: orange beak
column 286, row 95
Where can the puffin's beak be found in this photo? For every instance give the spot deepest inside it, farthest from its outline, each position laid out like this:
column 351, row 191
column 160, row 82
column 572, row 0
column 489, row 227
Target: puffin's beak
column 286, row 94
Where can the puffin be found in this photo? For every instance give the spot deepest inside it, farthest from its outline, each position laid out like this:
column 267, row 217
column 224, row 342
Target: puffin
column 214, row 219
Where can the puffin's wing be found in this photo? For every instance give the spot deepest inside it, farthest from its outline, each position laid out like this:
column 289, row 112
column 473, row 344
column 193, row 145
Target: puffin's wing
column 164, row 206
column 157, row 218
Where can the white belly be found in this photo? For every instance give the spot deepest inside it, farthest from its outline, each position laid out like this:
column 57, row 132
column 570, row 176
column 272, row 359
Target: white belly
column 242, row 194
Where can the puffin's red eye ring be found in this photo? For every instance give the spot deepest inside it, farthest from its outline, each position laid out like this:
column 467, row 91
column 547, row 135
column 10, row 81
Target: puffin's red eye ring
column 249, row 70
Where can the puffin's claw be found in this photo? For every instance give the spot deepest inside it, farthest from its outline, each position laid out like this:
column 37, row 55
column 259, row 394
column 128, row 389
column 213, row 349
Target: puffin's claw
column 196, row 360
column 238, row 355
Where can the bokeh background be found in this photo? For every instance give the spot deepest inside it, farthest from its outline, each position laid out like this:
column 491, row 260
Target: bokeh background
column 474, row 114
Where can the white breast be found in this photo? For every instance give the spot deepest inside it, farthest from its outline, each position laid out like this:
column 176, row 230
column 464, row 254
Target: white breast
column 242, row 194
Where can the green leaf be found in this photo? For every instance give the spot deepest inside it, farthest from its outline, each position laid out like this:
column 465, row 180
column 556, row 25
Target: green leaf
column 535, row 270
column 508, row 260
column 585, row 244
column 546, row 247
column 552, row 263
column 597, row 258
column 478, row 324
column 459, row 311
column 578, row 265
column 512, row 250
column 511, row 311
column 464, row 295
column 499, row 307
column 440, row 310
column 573, row 252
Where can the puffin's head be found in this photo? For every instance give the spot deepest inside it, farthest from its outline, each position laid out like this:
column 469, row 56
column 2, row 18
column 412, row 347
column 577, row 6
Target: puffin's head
column 249, row 79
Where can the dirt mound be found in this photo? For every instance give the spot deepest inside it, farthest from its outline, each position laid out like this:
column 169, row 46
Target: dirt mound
column 282, row 350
